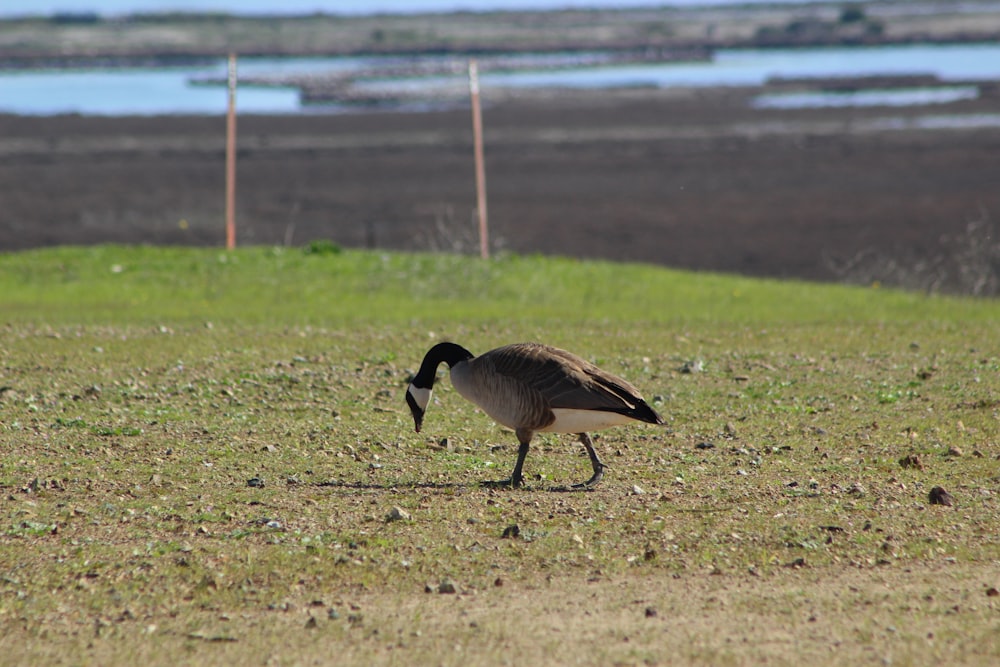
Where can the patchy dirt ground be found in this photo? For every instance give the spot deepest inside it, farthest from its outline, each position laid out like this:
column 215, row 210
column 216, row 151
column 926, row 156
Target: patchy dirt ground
column 919, row 616
column 692, row 179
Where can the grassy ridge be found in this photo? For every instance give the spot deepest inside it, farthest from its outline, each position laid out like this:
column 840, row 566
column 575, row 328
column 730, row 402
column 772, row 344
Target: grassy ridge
column 131, row 433
column 109, row 284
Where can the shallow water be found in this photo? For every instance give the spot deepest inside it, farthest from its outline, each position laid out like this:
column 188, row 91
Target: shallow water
column 146, row 91
column 902, row 97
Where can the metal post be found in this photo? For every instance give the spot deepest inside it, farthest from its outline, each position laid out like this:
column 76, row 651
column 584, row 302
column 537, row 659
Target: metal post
column 231, row 158
column 477, row 138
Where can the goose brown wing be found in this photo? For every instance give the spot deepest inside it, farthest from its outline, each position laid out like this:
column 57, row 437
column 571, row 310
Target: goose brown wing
column 564, row 379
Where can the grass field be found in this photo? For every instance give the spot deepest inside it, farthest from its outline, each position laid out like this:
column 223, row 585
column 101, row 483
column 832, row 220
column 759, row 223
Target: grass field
column 199, row 453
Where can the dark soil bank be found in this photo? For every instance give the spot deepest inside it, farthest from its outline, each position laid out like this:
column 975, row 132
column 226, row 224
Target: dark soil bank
column 686, row 179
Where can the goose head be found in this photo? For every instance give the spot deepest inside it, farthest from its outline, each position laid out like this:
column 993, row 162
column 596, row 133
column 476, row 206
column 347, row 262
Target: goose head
column 418, row 394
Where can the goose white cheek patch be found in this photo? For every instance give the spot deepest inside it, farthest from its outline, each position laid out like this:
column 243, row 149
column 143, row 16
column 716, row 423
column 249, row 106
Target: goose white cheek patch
column 421, row 396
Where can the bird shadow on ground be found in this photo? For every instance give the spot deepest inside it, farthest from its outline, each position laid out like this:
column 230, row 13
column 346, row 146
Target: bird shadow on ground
column 450, row 487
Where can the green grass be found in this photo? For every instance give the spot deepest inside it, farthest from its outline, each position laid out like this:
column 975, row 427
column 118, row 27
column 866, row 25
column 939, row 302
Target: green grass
column 142, row 389
column 144, row 285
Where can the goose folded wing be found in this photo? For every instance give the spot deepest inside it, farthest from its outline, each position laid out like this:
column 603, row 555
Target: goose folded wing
column 566, row 381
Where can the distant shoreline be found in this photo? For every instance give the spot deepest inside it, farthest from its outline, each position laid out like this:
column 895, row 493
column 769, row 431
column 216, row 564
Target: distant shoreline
column 83, row 40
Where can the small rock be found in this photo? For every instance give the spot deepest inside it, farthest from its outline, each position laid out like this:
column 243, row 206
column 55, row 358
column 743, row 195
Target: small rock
column 857, row 490
column 512, row 531
column 704, row 445
column 637, row 490
column 311, row 624
column 693, row 366
column 955, row 451
column 938, row 496
column 447, row 587
column 651, row 612
column 256, row 482
column 992, row 592
column 498, row 582
column 911, row 461
column 397, row 514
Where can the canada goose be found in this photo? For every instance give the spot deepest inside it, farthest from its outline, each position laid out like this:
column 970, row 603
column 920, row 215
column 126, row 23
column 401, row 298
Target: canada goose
column 531, row 388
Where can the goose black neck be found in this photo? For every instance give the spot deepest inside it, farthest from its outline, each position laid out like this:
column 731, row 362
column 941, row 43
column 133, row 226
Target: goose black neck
column 448, row 353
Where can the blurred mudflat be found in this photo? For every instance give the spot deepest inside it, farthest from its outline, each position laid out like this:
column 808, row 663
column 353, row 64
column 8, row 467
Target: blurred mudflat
column 686, row 178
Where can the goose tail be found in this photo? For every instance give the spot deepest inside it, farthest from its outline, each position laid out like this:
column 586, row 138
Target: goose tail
column 642, row 412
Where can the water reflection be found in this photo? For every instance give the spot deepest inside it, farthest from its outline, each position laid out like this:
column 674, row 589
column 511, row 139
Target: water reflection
column 898, row 97
column 937, row 122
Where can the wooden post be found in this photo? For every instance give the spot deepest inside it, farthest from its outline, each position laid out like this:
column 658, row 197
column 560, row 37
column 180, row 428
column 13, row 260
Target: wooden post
column 231, row 158
column 477, row 139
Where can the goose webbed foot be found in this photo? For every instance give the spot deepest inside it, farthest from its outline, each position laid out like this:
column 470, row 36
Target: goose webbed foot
column 594, row 480
column 589, row 485
column 504, row 483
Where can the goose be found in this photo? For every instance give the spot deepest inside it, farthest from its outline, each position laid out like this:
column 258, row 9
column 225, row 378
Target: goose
column 533, row 388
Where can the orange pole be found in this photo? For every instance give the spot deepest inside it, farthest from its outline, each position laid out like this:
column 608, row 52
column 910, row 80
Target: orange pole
column 477, row 139
column 231, row 158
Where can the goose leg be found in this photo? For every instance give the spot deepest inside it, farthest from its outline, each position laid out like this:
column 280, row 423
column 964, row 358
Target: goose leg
column 517, row 477
column 595, row 461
